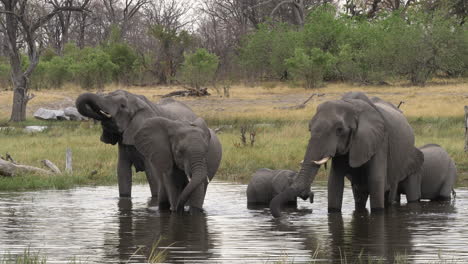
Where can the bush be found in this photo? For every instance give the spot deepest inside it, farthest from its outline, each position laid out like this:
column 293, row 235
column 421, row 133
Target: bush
column 311, row 66
column 199, row 68
column 94, row 69
column 123, row 56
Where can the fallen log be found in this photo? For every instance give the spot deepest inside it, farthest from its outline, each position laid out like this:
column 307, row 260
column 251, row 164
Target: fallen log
column 10, row 169
column 188, row 92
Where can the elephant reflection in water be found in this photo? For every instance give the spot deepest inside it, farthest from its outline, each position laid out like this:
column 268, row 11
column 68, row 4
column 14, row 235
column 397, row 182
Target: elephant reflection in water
column 385, row 235
column 145, row 227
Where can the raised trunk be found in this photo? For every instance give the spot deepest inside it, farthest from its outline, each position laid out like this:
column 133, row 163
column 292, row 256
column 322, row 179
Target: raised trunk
column 88, row 105
column 301, row 184
column 199, row 174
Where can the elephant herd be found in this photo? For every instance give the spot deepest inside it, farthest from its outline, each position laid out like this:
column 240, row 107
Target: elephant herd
column 368, row 140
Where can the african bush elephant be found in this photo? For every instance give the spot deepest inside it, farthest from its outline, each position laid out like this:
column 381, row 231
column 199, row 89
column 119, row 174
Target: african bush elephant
column 369, row 141
column 179, row 158
column 122, row 114
column 266, row 184
column 436, row 179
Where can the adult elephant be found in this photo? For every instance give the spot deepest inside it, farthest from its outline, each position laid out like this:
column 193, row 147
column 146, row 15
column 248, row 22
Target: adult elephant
column 369, row 141
column 179, row 159
column 122, row 114
column 437, row 177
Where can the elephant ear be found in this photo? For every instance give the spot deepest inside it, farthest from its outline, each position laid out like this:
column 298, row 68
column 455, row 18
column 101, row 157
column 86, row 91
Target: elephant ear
column 200, row 123
column 368, row 134
column 138, row 109
column 152, row 140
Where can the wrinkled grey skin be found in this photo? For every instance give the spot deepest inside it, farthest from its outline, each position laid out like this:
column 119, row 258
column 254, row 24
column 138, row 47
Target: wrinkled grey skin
column 121, row 115
column 369, row 141
column 266, row 184
column 180, row 158
column 436, row 179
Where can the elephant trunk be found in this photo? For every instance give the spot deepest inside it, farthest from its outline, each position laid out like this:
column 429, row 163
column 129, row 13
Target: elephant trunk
column 199, row 175
column 301, row 184
column 88, row 105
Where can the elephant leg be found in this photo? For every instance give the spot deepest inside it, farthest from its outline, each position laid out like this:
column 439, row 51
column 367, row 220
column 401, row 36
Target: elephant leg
column 336, row 184
column 377, row 178
column 412, row 186
column 171, row 188
column 447, row 187
column 360, row 196
column 151, row 177
column 124, row 173
column 163, row 199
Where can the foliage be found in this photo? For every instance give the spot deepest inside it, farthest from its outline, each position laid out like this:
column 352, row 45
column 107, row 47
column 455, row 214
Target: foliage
column 414, row 44
column 265, row 52
column 199, row 68
column 169, row 56
column 310, row 66
column 95, row 68
column 124, row 57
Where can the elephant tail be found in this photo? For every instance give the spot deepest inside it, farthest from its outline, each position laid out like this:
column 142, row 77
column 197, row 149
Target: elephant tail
column 454, row 193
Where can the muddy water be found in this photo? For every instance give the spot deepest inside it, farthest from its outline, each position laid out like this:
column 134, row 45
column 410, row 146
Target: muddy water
column 93, row 226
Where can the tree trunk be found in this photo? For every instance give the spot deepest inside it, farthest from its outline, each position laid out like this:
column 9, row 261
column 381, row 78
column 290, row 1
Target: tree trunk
column 81, row 38
column 20, row 100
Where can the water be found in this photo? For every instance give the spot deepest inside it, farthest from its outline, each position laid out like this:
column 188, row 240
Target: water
column 92, row 225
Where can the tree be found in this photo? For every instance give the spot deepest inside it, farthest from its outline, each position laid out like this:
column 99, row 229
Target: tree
column 199, row 68
column 311, row 66
column 20, row 23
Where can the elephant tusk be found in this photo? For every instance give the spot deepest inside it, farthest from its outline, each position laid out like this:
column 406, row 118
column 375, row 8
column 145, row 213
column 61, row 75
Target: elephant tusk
column 188, row 178
column 207, row 179
column 105, row 114
column 322, row 161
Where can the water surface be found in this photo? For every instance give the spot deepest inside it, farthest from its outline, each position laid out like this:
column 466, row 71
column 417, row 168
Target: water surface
column 94, row 226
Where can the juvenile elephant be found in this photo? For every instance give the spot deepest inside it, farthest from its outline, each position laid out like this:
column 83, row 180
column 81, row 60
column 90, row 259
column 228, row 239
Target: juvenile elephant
column 180, row 159
column 122, row 114
column 369, row 141
column 266, row 184
column 436, row 179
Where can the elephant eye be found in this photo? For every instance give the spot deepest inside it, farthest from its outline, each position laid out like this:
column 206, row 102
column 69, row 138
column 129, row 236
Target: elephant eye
column 122, row 106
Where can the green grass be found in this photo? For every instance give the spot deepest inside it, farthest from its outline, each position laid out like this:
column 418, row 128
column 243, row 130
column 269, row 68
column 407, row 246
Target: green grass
column 278, row 146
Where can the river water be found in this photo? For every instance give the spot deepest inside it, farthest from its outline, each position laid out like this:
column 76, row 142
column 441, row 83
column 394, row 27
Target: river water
column 92, row 225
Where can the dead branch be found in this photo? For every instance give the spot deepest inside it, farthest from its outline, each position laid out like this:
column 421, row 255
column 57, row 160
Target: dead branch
column 49, row 164
column 300, row 106
column 243, row 130
column 9, row 158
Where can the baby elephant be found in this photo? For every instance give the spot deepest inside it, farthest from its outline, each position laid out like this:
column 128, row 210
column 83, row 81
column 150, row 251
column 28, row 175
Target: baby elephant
column 437, row 177
column 438, row 173
column 266, row 184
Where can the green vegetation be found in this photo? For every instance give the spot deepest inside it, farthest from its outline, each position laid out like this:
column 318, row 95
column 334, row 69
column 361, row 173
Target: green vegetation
column 415, row 46
column 199, row 68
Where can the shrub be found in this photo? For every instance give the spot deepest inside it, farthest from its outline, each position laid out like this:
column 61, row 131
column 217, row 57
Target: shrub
column 94, row 69
column 199, row 68
column 311, row 66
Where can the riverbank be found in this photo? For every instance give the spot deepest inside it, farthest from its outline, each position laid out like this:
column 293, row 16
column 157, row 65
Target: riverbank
column 435, row 113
